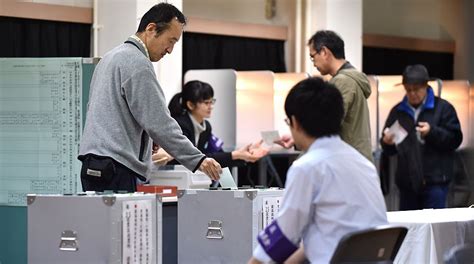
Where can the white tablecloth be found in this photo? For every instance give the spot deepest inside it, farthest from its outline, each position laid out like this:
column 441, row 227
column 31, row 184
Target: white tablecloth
column 432, row 232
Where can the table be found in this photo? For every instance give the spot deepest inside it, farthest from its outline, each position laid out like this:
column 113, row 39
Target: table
column 432, row 232
column 266, row 165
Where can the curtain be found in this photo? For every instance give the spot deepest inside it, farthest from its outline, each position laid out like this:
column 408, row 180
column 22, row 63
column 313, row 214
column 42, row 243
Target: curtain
column 41, row 38
column 385, row 61
column 204, row 51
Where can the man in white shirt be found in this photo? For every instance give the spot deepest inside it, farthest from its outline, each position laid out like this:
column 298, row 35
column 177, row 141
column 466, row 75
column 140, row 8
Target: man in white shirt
column 330, row 191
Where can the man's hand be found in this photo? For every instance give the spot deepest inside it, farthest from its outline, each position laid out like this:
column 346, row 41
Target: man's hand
column 211, row 168
column 161, row 157
column 423, row 128
column 285, row 141
column 388, row 138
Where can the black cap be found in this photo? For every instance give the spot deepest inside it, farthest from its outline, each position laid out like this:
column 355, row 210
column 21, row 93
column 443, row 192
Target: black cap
column 415, row 74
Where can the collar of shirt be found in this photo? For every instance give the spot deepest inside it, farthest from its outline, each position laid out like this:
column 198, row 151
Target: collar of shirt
column 345, row 66
column 428, row 103
column 141, row 43
column 323, row 141
column 198, row 128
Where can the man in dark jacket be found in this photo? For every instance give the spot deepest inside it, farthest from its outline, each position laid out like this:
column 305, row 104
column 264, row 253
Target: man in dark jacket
column 425, row 155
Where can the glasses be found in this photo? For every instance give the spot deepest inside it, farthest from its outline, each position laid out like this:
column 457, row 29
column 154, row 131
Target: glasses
column 312, row 55
column 211, row 101
column 287, row 122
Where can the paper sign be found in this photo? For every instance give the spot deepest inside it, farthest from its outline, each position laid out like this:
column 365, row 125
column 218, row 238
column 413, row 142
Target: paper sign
column 137, row 246
column 271, row 207
column 226, row 180
column 398, row 131
column 269, row 137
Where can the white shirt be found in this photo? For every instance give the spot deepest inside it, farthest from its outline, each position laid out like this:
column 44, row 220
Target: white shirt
column 330, row 191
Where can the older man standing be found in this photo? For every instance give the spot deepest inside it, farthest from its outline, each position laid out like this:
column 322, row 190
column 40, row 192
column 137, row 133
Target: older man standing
column 127, row 107
column 426, row 154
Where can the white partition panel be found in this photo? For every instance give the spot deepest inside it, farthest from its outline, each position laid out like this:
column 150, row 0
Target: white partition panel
column 471, row 115
column 373, row 112
column 254, row 105
column 457, row 93
column 223, row 117
column 283, row 82
column 389, row 94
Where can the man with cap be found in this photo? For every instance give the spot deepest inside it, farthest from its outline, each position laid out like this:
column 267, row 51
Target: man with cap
column 425, row 156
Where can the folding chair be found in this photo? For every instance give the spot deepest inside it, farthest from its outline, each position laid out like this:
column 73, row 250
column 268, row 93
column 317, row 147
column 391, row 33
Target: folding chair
column 375, row 245
column 460, row 254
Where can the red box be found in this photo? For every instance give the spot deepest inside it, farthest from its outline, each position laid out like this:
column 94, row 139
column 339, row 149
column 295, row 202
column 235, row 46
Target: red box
column 158, row 189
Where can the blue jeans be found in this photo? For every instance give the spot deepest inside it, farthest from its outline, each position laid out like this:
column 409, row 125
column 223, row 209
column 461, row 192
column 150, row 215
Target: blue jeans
column 431, row 196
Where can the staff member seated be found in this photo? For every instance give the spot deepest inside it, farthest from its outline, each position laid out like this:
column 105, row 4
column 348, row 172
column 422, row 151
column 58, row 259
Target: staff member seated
column 330, row 191
column 190, row 108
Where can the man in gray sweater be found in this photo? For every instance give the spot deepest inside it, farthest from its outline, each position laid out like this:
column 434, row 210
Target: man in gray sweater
column 127, row 110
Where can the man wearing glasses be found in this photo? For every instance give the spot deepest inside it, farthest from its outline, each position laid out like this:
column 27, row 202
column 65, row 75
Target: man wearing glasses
column 326, row 50
column 425, row 156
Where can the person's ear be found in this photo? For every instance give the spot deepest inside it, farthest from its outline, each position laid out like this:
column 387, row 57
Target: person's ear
column 294, row 123
column 324, row 51
column 150, row 28
column 190, row 105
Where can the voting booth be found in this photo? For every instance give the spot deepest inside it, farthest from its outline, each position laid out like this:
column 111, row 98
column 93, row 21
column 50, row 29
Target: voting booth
column 244, row 104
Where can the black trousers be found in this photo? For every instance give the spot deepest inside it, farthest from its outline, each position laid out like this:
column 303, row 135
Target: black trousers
column 105, row 174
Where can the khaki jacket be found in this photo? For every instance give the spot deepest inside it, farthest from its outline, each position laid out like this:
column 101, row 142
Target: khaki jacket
column 355, row 89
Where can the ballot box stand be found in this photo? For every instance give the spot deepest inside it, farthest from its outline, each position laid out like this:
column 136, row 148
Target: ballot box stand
column 167, row 220
column 92, row 228
column 221, row 226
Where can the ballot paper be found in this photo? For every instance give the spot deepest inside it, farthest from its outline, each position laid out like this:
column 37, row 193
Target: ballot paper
column 398, row 131
column 226, row 180
column 269, row 137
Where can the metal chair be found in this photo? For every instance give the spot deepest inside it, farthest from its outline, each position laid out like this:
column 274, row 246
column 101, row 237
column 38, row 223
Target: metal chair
column 375, row 245
column 460, row 254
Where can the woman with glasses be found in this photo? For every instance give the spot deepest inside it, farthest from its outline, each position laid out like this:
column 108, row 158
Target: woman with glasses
column 191, row 107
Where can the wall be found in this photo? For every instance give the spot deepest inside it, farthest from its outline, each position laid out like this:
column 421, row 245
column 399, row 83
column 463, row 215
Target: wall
column 428, row 19
column 77, row 3
column 249, row 11
column 342, row 16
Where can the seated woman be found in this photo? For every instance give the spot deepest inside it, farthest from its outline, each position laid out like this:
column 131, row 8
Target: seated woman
column 190, row 108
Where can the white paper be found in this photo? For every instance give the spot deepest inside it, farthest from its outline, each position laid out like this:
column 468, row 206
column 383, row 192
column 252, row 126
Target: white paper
column 137, row 243
column 397, row 131
column 269, row 137
column 271, row 207
column 226, row 180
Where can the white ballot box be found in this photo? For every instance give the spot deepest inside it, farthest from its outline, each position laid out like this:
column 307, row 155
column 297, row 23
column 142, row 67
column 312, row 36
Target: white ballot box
column 178, row 175
column 221, row 226
column 92, row 228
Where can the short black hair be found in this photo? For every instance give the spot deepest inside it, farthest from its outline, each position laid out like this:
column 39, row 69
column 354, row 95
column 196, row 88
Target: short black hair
column 317, row 105
column 329, row 39
column 194, row 92
column 161, row 14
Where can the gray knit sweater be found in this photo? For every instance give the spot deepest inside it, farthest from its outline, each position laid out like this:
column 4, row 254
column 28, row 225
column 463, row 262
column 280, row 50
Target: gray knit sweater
column 126, row 107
